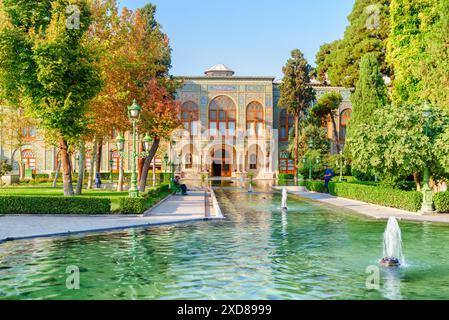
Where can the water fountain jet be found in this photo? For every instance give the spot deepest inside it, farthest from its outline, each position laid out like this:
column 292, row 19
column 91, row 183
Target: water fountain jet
column 392, row 245
column 284, row 199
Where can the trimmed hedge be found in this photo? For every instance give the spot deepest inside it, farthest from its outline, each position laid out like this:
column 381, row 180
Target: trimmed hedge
column 441, row 201
column 406, row 200
column 138, row 205
column 129, row 205
column 54, row 205
column 314, row 185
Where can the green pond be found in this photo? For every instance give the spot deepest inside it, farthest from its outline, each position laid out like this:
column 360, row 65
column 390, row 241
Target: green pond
column 258, row 252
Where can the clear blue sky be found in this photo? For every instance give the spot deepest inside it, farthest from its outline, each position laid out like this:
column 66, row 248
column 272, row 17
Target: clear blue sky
column 253, row 37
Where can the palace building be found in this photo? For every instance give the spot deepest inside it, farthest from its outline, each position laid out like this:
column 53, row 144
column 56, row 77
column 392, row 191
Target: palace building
column 233, row 126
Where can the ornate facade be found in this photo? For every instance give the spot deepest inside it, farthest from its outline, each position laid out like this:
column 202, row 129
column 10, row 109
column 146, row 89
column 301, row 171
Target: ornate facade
column 233, row 126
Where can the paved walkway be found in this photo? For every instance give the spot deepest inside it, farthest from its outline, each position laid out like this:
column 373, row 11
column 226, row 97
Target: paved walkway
column 371, row 210
column 174, row 209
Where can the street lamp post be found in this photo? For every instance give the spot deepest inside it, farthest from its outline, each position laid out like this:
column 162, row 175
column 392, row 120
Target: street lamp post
column 120, row 141
column 341, row 166
column 111, row 163
column 166, row 164
column 427, row 204
column 134, row 113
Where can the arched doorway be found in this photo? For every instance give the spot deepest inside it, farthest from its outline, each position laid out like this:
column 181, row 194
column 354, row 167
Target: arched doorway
column 222, row 158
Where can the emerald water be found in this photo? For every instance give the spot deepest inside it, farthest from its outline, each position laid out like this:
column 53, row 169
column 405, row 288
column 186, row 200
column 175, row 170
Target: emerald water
column 258, row 252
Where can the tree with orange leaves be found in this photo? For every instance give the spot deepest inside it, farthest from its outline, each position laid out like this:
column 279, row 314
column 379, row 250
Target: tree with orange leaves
column 135, row 63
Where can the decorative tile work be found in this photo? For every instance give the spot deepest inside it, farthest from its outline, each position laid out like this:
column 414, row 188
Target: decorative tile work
column 185, row 96
column 191, row 87
column 204, row 101
column 253, row 88
column 241, row 100
column 254, row 97
column 268, row 101
column 222, row 88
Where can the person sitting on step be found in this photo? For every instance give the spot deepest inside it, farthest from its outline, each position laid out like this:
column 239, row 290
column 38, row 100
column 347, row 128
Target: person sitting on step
column 177, row 182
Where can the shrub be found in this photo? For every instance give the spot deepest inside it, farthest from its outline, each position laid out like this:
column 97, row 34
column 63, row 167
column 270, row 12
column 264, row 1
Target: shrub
column 53, row 205
column 406, row 200
column 146, row 200
column 314, row 185
column 441, row 201
column 41, row 176
column 286, row 176
column 129, row 205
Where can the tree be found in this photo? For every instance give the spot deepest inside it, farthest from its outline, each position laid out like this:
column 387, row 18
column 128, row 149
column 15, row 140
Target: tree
column 327, row 105
column 367, row 32
column 397, row 146
column 135, row 60
column 418, row 51
column 314, row 135
column 60, row 78
column 296, row 93
column 15, row 124
column 5, row 168
column 370, row 94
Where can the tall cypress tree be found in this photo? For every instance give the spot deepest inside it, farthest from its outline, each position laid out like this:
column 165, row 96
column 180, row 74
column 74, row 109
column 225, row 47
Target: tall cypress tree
column 370, row 94
column 296, row 93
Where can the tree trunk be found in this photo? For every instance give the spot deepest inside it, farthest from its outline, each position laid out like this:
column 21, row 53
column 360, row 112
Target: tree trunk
column 140, row 161
column 93, row 154
column 417, row 178
column 58, row 168
column 66, row 170
column 154, row 173
column 79, row 185
column 147, row 164
column 296, row 149
column 336, row 138
column 99, row 154
column 120, row 175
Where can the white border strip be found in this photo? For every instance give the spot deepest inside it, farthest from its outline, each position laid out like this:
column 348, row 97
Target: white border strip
column 216, row 206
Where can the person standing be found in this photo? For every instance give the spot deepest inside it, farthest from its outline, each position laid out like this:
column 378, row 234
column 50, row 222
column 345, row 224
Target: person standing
column 98, row 180
column 328, row 175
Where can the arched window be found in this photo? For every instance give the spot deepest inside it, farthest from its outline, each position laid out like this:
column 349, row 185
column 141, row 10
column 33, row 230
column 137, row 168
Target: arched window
column 29, row 159
column 222, row 115
column 189, row 117
column 254, row 119
column 286, row 122
column 345, row 115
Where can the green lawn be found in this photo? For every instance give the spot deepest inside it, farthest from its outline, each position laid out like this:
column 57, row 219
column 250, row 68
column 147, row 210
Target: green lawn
column 48, row 191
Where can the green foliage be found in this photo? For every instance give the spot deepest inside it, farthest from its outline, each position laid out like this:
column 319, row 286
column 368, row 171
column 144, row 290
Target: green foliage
column 396, row 145
column 138, row 205
column 53, row 205
column 406, row 200
column 313, row 185
column 296, row 92
column 418, row 51
column 129, row 205
column 314, row 136
column 5, row 168
column 441, row 201
column 327, row 106
column 340, row 59
column 286, row 176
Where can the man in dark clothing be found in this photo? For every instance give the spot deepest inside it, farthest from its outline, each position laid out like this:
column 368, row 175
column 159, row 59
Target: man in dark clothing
column 183, row 187
column 98, row 180
column 328, row 175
